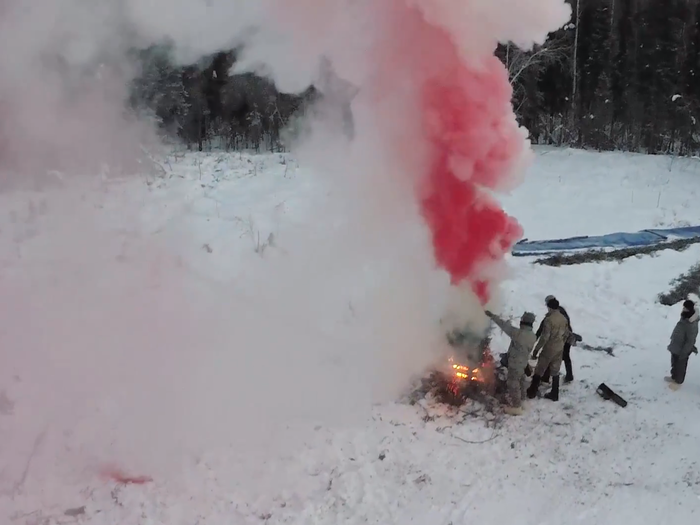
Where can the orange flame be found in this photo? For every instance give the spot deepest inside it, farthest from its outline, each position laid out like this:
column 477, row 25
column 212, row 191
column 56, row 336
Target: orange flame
column 462, row 372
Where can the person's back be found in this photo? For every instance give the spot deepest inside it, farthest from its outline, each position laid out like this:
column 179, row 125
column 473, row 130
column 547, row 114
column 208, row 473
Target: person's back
column 522, row 343
column 522, row 340
column 567, row 345
column 563, row 311
column 555, row 332
column 558, row 330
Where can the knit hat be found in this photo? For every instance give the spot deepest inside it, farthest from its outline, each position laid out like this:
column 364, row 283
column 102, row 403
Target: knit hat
column 553, row 304
column 689, row 305
column 528, row 318
column 548, row 298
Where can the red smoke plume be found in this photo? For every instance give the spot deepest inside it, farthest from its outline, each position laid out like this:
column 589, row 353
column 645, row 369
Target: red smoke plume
column 432, row 71
column 470, row 137
column 464, row 112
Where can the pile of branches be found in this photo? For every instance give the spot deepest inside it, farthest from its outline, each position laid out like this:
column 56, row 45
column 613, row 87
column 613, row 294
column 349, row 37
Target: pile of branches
column 682, row 287
column 439, row 387
column 591, row 256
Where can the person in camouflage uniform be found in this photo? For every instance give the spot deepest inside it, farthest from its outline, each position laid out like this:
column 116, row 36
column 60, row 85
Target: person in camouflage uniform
column 522, row 340
column 555, row 333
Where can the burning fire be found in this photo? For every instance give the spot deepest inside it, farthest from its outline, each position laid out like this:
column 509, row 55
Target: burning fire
column 464, row 373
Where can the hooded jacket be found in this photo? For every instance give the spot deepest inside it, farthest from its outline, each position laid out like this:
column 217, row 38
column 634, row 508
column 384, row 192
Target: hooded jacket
column 684, row 336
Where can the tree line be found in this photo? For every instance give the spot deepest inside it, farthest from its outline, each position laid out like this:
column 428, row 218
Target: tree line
column 622, row 75
column 206, row 107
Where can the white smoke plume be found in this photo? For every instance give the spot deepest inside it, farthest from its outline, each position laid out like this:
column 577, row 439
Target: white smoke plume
column 115, row 367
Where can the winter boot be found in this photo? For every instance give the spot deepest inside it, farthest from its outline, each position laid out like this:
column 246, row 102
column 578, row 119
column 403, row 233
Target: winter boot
column 513, row 411
column 553, row 394
column 668, row 379
column 568, row 379
column 532, row 391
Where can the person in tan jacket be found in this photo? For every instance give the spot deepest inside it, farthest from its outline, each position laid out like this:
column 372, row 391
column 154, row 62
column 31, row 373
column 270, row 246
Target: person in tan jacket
column 555, row 332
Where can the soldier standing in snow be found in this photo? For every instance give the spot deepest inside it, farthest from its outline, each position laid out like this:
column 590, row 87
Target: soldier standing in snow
column 555, row 332
column 569, row 377
column 521, row 342
column 682, row 344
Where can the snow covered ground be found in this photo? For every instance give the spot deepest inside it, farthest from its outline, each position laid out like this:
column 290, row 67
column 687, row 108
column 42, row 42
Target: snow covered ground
column 597, row 193
column 217, row 218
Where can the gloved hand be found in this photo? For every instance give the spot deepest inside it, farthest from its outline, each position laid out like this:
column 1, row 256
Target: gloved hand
column 695, row 349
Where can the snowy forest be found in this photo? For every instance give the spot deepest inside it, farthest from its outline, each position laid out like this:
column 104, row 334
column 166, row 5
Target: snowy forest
column 623, row 75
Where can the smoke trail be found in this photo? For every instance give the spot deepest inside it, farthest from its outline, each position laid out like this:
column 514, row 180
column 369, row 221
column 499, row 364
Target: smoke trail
column 472, row 140
column 460, row 99
column 442, row 101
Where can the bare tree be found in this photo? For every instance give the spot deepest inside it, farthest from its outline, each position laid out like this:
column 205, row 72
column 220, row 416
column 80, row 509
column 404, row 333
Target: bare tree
column 574, row 63
column 518, row 61
column 527, row 66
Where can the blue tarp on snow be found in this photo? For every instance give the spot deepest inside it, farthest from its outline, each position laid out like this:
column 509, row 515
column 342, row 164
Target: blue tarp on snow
column 690, row 232
column 610, row 241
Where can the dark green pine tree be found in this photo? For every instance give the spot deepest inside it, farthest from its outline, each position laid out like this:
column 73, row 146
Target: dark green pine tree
column 595, row 91
column 554, row 87
column 689, row 103
column 159, row 89
column 622, row 78
column 659, row 73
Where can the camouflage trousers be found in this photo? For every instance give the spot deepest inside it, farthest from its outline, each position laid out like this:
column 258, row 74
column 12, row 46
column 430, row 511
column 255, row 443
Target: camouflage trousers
column 517, row 386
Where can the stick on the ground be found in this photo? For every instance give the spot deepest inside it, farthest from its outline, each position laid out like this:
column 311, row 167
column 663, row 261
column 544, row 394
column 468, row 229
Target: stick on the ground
column 17, row 488
column 494, row 435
